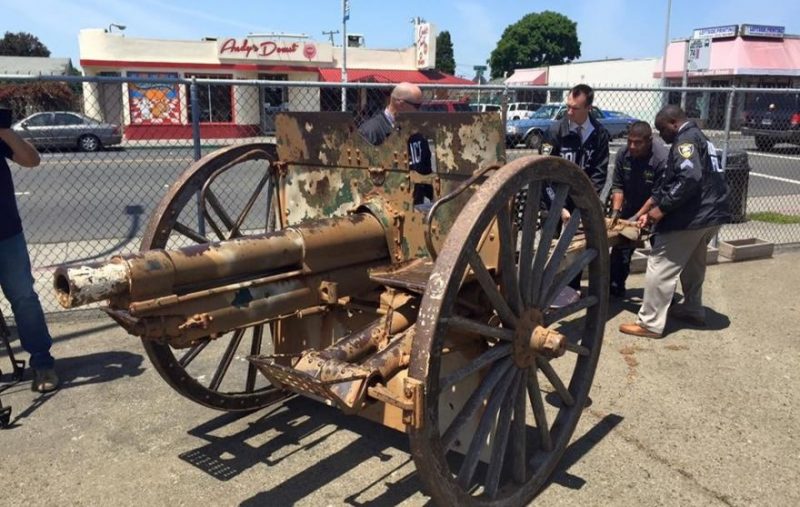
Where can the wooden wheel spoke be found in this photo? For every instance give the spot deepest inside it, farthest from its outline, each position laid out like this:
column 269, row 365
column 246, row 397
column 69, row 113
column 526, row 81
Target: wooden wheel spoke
column 488, row 417
column 490, row 288
column 558, row 252
column 227, row 357
column 546, row 238
column 190, row 233
column 507, row 265
column 475, row 401
column 255, row 349
column 488, row 357
column 518, row 437
column 214, row 225
column 555, row 381
column 500, row 440
column 553, row 316
column 530, row 213
column 472, row 326
column 578, row 349
column 190, row 354
column 249, row 206
column 584, row 258
column 227, row 221
column 539, row 415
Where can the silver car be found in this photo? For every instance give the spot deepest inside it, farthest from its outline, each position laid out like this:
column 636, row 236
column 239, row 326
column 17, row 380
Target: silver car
column 65, row 129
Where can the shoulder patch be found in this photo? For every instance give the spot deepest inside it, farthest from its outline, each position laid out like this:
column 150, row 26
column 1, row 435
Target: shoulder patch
column 686, row 150
column 547, row 148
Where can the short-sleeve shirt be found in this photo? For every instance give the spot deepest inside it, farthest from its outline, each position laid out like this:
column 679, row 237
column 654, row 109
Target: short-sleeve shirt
column 10, row 223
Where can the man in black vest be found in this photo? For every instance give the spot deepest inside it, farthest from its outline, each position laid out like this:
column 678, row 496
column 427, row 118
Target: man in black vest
column 691, row 204
column 405, row 98
column 637, row 171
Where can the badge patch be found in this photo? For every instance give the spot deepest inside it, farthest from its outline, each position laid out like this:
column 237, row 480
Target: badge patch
column 547, row 149
column 686, row 150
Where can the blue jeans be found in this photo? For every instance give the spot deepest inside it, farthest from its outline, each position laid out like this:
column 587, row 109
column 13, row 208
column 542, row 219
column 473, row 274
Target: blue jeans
column 16, row 281
column 620, row 267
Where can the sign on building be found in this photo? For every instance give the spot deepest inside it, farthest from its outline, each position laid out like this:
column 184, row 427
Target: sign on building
column 425, row 45
column 715, row 32
column 699, row 54
column 775, row 32
column 273, row 49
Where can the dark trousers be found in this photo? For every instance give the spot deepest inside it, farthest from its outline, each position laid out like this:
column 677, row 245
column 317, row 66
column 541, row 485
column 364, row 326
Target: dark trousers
column 620, row 267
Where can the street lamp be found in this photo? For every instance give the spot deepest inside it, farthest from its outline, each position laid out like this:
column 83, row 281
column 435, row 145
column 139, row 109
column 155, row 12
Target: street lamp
column 115, row 25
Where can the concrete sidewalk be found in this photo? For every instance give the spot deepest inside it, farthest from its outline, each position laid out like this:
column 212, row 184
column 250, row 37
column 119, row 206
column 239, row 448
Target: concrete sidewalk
column 701, row 417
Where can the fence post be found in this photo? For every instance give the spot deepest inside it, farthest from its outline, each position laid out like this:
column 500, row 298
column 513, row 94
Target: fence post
column 726, row 143
column 504, row 106
column 195, row 105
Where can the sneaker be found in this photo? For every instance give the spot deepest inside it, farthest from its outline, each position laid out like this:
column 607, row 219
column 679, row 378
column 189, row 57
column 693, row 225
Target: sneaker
column 44, row 381
column 680, row 312
column 617, row 291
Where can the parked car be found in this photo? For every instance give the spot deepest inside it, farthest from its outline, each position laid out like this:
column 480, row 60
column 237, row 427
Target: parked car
column 485, row 108
column 65, row 129
column 530, row 131
column 519, row 110
column 773, row 118
column 449, row 106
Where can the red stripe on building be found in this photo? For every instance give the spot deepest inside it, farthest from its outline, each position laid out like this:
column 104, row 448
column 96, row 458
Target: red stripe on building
column 392, row 76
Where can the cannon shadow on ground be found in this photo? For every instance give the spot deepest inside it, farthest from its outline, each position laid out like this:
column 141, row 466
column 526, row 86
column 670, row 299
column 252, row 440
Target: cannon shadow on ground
column 301, row 425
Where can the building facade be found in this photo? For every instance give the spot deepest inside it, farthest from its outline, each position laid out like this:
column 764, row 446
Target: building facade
column 163, row 110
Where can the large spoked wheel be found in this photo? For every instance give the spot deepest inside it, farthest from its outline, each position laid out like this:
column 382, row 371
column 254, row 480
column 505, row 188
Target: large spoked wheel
column 496, row 425
column 235, row 189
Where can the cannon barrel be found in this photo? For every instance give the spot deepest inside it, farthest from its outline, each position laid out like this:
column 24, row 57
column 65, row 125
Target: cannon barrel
column 233, row 282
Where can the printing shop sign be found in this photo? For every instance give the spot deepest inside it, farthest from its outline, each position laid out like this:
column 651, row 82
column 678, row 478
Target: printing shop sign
column 288, row 50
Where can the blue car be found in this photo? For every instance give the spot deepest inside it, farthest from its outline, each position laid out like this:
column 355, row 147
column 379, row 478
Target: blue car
column 530, row 131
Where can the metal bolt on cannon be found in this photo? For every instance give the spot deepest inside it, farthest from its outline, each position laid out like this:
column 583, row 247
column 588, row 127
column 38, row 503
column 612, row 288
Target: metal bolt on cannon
column 435, row 318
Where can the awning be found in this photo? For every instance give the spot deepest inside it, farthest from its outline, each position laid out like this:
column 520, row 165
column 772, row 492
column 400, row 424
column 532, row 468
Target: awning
column 739, row 57
column 536, row 76
column 392, row 76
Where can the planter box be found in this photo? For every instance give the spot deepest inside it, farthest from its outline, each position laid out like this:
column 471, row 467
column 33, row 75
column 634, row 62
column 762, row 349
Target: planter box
column 744, row 249
column 712, row 255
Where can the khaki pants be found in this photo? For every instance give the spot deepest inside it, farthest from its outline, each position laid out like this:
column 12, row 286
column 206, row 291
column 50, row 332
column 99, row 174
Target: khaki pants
column 675, row 254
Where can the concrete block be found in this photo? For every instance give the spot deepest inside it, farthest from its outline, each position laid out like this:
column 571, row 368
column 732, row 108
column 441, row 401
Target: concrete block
column 744, row 249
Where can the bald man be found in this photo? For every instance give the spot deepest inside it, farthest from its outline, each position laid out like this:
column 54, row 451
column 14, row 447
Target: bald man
column 405, row 98
column 689, row 206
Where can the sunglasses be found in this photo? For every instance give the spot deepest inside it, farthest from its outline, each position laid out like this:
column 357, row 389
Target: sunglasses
column 415, row 105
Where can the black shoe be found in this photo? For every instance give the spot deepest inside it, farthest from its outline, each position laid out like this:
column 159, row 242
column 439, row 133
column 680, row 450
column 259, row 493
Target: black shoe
column 44, row 381
column 616, row 291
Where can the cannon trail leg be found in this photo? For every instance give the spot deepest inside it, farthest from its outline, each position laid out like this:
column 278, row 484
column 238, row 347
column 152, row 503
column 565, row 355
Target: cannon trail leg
column 494, row 429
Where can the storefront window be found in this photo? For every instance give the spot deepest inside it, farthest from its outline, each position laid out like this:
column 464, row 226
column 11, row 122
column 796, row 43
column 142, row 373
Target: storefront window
column 215, row 101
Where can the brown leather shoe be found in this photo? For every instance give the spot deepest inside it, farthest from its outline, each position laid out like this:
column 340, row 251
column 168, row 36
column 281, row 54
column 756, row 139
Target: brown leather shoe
column 637, row 330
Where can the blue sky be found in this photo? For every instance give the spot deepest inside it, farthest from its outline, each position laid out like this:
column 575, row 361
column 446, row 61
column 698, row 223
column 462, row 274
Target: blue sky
column 606, row 28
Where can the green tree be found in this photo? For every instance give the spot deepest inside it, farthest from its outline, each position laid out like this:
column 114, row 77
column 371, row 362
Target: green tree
column 22, row 44
column 539, row 38
column 445, row 61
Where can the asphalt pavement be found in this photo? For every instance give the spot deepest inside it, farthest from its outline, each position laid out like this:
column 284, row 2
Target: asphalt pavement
column 700, row 417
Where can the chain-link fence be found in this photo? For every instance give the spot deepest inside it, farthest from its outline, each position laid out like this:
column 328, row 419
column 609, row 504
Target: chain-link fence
column 113, row 146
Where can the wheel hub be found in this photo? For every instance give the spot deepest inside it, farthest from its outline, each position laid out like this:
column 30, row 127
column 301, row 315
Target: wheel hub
column 532, row 339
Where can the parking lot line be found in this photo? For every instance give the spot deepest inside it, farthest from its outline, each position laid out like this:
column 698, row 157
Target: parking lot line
column 773, row 155
column 776, row 178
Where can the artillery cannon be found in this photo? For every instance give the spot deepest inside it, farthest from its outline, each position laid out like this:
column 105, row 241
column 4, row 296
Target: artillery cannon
column 437, row 319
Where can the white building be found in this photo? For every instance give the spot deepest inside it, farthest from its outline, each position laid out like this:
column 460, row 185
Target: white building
column 152, row 110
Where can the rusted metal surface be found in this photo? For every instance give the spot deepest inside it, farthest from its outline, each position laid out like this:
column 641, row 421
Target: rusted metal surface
column 357, row 308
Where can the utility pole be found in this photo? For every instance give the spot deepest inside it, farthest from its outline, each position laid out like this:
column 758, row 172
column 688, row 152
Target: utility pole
column 345, row 17
column 664, row 57
column 330, row 34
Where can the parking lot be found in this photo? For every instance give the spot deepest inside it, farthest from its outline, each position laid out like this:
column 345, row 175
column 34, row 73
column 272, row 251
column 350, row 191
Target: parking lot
column 701, row 417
